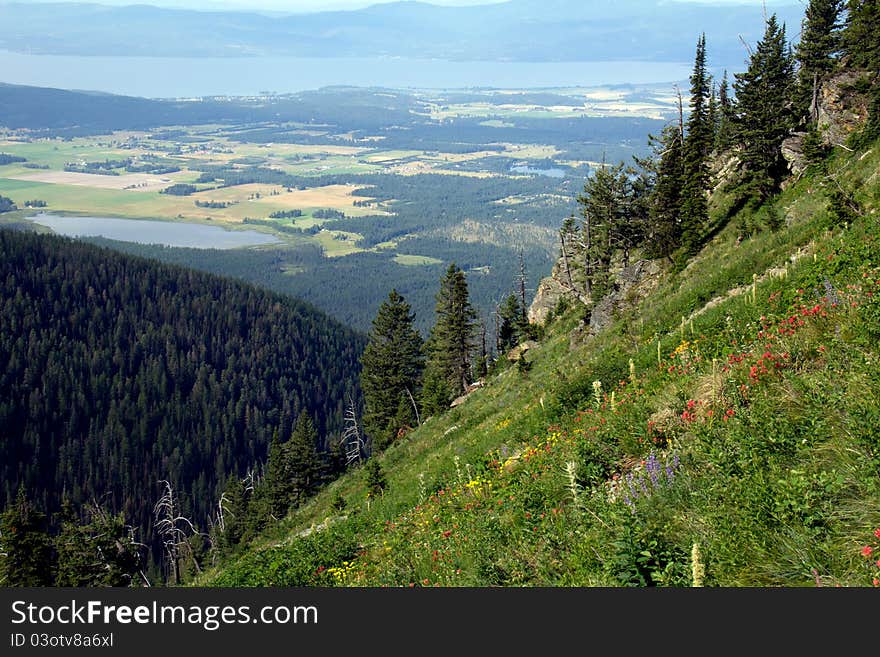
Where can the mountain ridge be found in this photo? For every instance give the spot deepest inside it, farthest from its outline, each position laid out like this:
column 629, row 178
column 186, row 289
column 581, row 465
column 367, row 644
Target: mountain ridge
column 520, row 30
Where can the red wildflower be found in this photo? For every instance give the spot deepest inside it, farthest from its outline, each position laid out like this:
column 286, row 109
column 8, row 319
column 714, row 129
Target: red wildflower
column 867, row 551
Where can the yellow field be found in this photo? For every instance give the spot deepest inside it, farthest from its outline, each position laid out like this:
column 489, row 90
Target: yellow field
column 258, row 200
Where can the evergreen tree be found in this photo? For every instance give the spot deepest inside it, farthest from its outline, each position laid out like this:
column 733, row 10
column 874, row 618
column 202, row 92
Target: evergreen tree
column 764, row 112
column 512, row 329
column 724, row 138
column 713, row 114
column 26, row 545
column 276, row 489
column 861, row 35
column 391, row 371
column 234, row 520
column 451, row 342
column 697, row 146
column 861, row 46
column 816, row 51
column 100, row 552
column 377, row 482
column 602, row 209
column 302, row 462
column 664, row 225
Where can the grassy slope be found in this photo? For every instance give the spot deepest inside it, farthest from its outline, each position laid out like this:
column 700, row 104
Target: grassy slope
column 755, row 437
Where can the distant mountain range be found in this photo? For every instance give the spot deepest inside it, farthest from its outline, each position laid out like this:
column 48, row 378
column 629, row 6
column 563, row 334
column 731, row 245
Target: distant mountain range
column 517, row 30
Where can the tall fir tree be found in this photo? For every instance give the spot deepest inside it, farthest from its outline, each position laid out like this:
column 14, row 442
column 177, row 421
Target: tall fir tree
column 861, row 47
column 815, row 52
column 697, row 147
column 764, row 112
column 451, row 343
column 861, row 35
column 724, row 138
column 713, row 113
column 234, row 521
column 664, row 225
column 513, row 328
column 274, row 493
column 391, row 371
column 302, row 461
column 26, row 547
column 603, row 206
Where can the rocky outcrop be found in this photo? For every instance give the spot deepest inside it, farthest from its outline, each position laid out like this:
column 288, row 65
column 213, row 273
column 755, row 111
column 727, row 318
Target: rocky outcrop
column 793, row 152
column 547, row 297
column 563, row 282
column 723, row 167
column 842, row 107
column 632, row 284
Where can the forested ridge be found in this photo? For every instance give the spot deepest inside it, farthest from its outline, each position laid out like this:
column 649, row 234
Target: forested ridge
column 118, row 372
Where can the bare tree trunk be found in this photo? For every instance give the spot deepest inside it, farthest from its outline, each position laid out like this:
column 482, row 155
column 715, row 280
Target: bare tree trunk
column 814, row 103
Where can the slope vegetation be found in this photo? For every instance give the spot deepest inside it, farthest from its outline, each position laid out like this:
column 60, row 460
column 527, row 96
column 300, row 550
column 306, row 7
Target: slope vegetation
column 721, row 431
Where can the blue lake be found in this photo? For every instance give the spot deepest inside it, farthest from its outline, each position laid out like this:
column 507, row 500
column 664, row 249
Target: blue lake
column 197, row 236
column 175, row 77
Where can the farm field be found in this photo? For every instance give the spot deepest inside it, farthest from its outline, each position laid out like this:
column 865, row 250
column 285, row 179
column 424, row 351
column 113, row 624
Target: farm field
column 364, row 189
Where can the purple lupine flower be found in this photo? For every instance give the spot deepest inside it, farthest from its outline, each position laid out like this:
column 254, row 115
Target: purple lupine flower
column 629, row 484
column 652, row 467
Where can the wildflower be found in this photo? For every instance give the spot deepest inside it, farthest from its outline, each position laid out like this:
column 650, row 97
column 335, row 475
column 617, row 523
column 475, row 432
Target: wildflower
column 867, row 551
column 877, row 532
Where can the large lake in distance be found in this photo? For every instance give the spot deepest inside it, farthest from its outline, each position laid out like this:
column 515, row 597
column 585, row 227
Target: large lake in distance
column 180, row 77
column 197, row 236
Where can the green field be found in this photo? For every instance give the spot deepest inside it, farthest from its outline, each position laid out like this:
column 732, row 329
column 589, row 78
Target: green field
column 415, row 260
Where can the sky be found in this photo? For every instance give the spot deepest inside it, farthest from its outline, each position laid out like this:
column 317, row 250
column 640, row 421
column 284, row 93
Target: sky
column 299, row 6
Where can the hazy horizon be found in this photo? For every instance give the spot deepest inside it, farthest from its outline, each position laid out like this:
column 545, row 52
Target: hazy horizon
column 314, row 6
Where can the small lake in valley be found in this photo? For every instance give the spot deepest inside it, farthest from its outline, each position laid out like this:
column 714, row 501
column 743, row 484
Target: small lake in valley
column 143, row 231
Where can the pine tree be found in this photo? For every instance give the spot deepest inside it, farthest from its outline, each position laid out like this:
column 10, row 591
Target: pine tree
column 377, row 482
column 713, row 114
column 697, row 146
column 816, row 51
column 664, row 225
column 512, row 330
column 764, row 112
column 724, row 138
column 275, row 491
column 302, row 462
column 861, row 35
column 100, row 552
column 451, row 342
column 391, row 371
column 602, row 209
column 861, row 46
column 234, row 520
column 26, row 545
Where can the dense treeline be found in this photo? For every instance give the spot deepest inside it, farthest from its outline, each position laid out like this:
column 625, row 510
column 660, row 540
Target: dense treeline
column 338, row 286
column 661, row 203
column 120, row 371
